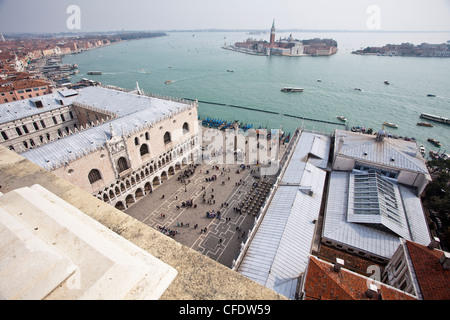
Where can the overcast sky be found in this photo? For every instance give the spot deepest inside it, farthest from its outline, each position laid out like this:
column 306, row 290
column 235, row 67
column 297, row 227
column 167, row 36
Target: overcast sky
column 101, row 15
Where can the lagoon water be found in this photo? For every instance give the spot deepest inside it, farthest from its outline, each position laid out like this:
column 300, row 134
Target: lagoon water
column 197, row 66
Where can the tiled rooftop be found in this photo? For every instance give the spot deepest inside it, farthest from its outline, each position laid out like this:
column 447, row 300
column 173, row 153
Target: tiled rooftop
column 22, row 84
column 434, row 280
column 323, row 283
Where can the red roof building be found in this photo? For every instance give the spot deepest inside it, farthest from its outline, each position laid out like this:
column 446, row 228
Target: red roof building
column 421, row 270
column 23, row 89
column 326, row 281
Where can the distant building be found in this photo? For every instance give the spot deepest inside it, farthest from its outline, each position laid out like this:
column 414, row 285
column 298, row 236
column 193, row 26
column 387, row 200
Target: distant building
column 286, row 47
column 272, row 33
column 408, row 49
column 22, row 89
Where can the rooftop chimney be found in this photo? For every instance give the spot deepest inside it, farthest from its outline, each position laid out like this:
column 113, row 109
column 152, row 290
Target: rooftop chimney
column 372, row 291
column 434, row 244
column 445, row 260
column 337, row 266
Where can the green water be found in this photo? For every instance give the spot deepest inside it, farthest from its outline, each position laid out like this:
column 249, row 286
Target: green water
column 197, row 66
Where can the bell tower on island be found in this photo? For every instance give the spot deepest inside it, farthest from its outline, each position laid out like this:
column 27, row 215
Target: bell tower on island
column 272, row 33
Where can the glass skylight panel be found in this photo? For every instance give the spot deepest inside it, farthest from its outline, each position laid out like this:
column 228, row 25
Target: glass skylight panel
column 372, row 198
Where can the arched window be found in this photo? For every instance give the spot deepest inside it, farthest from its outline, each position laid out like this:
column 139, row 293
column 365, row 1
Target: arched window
column 147, row 136
column 122, row 164
column 136, row 141
column 94, row 175
column 4, row 135
column 144, row 149
column 185, row 128
column 167, row 138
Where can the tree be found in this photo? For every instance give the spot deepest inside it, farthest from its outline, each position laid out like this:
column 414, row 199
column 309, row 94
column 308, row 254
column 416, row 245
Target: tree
column 436, row 197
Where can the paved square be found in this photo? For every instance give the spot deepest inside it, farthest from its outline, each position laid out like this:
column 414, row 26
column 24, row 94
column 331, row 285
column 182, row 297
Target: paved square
column 219, row 239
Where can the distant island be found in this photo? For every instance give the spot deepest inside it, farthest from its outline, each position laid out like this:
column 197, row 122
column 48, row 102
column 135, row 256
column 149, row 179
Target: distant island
column 408, row 50
column 285, row 47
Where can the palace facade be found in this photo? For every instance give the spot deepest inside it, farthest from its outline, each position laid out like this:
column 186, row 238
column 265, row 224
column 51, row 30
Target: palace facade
column 114, row 144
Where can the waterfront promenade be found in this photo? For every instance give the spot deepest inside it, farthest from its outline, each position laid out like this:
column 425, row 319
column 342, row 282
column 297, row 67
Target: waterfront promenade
column 219, row 239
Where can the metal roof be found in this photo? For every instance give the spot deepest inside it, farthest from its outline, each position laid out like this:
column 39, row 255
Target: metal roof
column 134, row 113
column 280, row 249
column 20, row 109
column 416, row 218
column 362, row 236
column 68, row 92
column 390, row 152
column 312, row 148
column 124, row 103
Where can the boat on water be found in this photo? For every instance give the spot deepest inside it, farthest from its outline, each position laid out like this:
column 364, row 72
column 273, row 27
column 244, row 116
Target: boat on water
column 431, row 95
column 357, row 89
column 435, row 142
column 291, row 89
column 94, row 72
column 358, row 129
column 424, row 124
column 168, row 81
column 422, row 150
column 342, row 118
column 386, row 82
column 435, row 118
column 389, row 124
column 434, row 155
column 230, row 71
column 318, row 80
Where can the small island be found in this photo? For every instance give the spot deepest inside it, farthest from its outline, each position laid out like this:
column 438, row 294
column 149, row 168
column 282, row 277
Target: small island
column 285, row 47
column 408, row 50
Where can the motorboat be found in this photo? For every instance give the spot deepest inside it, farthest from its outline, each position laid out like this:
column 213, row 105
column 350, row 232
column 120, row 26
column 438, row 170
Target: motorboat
column 290, row 89
column 435, row 142
column 434, row 155
column 422, row 150
column 341, row 118
column 424, row 124
column 358, row 129
column 390, row 124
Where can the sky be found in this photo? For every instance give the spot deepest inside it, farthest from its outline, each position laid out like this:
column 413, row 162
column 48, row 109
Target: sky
column 53, row 16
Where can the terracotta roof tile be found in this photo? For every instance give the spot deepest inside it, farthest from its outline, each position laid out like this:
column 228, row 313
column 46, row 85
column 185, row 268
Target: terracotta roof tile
column 434, row 280
column 23, row 84
column 323, row 283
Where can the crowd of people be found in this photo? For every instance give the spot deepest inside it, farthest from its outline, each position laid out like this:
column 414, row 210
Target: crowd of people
column 167, row 231
column 208, row 197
